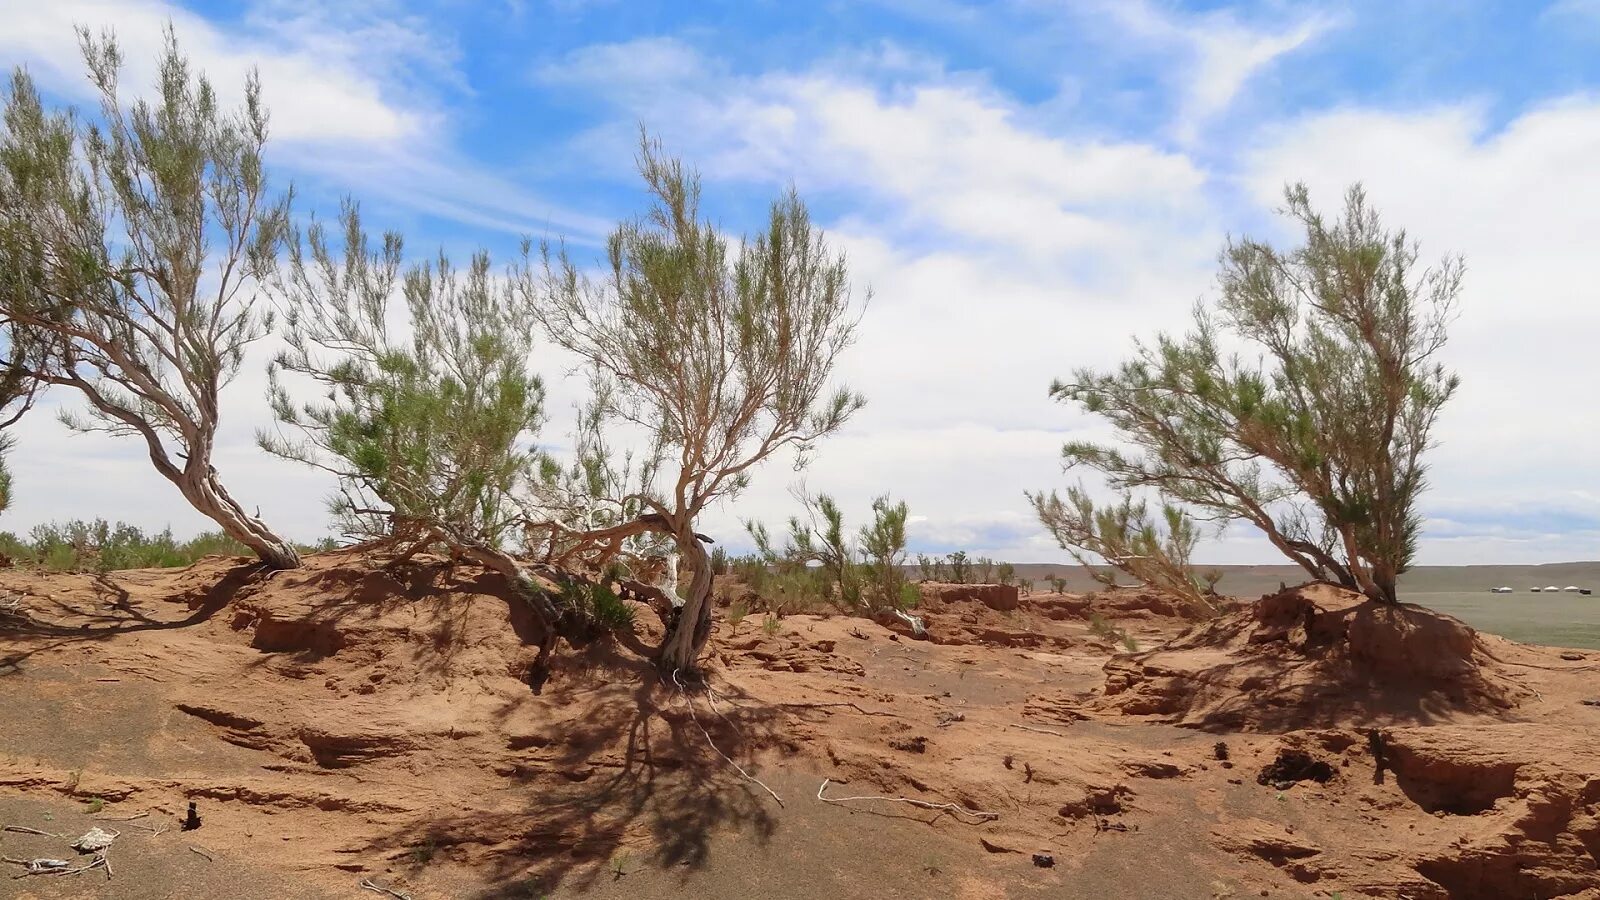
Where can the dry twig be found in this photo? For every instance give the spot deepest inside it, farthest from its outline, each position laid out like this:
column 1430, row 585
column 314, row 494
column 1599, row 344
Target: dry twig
column 23, row 829
column 138, row 815
column 201, row 851
column 854, row 706
column 954, row 808
column 367, row 884
column 1040, row 730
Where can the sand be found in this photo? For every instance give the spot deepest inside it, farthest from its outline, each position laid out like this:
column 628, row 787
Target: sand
column 342, row 724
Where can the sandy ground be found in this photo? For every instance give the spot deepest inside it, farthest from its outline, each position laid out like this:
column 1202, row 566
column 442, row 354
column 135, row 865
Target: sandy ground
column 342, row 724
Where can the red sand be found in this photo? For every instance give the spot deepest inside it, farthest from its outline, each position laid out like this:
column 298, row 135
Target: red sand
column 341, row 723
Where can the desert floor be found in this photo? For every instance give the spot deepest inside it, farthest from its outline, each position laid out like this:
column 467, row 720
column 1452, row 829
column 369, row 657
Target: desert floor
column 345, row 725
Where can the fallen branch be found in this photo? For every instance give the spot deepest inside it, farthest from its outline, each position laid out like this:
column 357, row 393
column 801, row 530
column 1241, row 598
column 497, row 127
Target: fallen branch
column 23, row 829
column 203, row 852
column 856, row 707
column 367, row 884
column 1040, row 730
column 942, row 807
column 138, row 815
column 58, row 866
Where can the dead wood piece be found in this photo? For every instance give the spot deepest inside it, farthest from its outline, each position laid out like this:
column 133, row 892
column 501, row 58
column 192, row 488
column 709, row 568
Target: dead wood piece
column 137, row 815
column 23, row 829
column 953, row 808
column 367, row 884
column 201, row 851
column 95, row 840
column 1039, row 730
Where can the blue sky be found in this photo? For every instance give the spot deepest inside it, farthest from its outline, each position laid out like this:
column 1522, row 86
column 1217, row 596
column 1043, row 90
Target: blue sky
column 1024, row 185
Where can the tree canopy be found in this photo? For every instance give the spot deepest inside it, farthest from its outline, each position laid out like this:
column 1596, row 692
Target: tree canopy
column 129, row 252
column 1316, row 434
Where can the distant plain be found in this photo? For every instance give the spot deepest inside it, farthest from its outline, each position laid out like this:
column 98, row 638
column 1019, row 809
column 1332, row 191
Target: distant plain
column 1561, row 620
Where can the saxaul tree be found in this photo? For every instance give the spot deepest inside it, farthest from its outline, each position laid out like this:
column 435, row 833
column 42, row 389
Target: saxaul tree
column 1317, row 438
column 722, row 350
column 129, row 252
column 1127, row 538
column 426, row 419
column 18, row 390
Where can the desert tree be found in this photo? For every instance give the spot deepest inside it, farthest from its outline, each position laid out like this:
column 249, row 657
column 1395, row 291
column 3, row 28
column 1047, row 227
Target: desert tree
column 882, row 545
column 725, row 351
column 129, row 253
column 425, row 419
column 816, row 539
column 959, row 567
column 1317, row 438
column 19, row 387
column 1126, row 537
column 1005, row 573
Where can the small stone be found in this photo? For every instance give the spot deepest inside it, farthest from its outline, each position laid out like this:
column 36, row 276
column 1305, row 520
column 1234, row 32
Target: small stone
column 1044, row 860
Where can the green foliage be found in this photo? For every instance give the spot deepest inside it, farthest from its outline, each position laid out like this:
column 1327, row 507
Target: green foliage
column 599, row 604
column 99, row 546
column 1005, row 573
column 1057, row 583
column 1099, row 626
column 771, row 624
column 858, row 574
column 1316, row 436
column 426, row 432
column 130, row 244
column 1128, row 538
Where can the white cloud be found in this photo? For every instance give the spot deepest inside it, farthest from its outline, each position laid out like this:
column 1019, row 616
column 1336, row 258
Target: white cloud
column 1222, row 54
column 1001, row 256
column 1520, row 203
column 317, row 89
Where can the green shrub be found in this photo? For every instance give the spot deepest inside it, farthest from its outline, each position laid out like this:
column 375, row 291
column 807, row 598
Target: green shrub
column 600, row 604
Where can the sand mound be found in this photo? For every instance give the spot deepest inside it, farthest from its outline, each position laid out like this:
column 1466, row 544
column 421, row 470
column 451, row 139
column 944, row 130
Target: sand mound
column 1314, row 656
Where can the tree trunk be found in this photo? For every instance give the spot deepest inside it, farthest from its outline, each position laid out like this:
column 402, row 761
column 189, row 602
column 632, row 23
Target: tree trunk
column 688, row 637
column 523, row 585
column 206, row 494
column 1384, row 585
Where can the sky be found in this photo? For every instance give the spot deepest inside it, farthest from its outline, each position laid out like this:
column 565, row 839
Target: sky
column 1023, row 187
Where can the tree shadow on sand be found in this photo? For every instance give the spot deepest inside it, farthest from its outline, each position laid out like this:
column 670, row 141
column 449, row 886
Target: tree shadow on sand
column 642, row 766
column 46, row 623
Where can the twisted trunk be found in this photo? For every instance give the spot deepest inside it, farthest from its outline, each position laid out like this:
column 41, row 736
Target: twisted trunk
column 531, row 594
column 199, row 484
column 692, row 628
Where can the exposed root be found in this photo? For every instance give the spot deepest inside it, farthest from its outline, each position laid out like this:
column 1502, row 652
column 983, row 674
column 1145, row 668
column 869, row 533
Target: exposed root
column 689, row 701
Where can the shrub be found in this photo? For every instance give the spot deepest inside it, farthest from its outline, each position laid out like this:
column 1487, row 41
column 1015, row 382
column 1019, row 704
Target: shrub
column 1316, row 434
column 960, row 568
